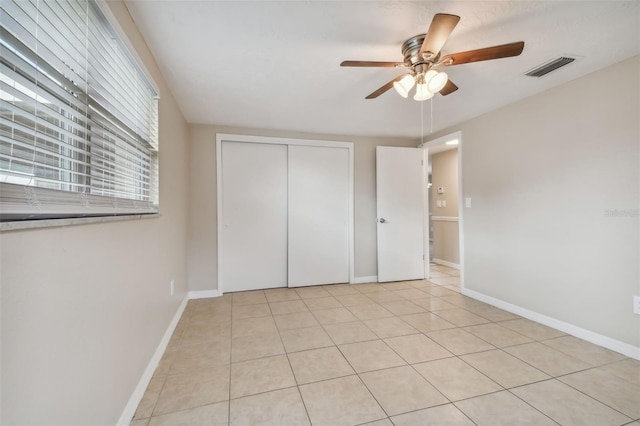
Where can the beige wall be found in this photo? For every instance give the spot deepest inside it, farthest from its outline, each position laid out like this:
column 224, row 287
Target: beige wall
column 84, row 307
column 444, row 173
column 446, row 241
column 542, row 174
column 202, row 213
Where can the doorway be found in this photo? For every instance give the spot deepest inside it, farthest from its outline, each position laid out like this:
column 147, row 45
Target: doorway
column 444, row 212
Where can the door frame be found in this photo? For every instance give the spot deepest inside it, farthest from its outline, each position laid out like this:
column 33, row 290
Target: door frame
column 227, row 137
column 430, row 144
column 426, row 210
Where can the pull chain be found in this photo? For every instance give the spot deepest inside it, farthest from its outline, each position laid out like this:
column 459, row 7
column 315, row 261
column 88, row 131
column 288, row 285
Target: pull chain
column 431, row 118
column 422, row 122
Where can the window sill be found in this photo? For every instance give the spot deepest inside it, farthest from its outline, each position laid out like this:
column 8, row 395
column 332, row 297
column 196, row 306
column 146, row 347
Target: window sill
column 55, row 223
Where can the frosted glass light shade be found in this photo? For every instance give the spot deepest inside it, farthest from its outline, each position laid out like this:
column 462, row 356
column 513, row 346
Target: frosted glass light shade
column 437, row 82
column 405, row 84
column 422, row 93
column 428, row 76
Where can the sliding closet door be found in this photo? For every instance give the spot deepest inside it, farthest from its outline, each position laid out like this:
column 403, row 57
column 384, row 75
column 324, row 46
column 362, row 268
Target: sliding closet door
column 318, row 215
column 253, row 252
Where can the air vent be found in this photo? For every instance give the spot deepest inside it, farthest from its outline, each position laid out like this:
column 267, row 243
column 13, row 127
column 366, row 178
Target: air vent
column 552, row 65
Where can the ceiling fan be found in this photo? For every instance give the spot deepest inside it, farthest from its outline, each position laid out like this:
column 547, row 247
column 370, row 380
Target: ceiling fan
column 422, row 59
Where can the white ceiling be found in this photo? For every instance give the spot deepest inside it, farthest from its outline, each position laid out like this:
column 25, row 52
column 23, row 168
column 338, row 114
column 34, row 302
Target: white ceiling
column 275, row 65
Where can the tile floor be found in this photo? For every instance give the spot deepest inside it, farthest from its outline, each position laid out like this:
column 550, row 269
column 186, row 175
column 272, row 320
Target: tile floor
column 404, row 353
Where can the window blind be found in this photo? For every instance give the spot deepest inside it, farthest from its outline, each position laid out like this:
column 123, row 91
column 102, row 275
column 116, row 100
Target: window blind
column 78, row 117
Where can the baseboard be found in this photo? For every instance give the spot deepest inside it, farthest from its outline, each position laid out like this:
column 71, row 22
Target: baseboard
column 590, row 336
column 138, row 393
column 204, row 294
column 446, row 263
column 363, row 280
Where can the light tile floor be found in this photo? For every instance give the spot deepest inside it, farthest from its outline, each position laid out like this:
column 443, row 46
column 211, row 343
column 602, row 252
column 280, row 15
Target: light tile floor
column 405, row 353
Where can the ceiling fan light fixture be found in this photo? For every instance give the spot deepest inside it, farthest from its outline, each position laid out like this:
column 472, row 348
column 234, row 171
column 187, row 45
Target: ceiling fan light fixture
column 422, row 93
column 437, row 81
column 405, row 84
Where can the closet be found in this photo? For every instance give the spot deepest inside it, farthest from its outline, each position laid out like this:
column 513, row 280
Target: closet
column 284, row 212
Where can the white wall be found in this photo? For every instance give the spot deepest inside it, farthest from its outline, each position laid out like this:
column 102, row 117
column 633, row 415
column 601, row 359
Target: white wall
column 542, row 174
column 84, row 307
column 202, row 212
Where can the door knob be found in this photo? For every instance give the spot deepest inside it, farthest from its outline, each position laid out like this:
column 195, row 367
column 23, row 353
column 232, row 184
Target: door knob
column 382, row 220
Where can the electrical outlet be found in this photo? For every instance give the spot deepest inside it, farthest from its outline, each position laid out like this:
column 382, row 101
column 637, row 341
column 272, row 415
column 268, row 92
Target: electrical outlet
column 172, row 286
column 636, row 305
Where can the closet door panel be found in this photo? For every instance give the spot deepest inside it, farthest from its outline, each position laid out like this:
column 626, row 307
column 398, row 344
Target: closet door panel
column 253, row 237
column 318, row 215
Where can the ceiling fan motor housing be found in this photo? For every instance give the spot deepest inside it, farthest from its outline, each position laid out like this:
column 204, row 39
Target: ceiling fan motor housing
column 411, row 52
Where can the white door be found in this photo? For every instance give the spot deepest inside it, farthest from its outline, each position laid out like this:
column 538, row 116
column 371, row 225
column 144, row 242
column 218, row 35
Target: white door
column 253, row 249
column 318, row 215
column 400, row 203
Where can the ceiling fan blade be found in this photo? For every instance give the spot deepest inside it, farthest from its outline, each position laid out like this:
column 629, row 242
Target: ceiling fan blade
column 371, row 64
column 384, row 88
column 486, row 54
column 448, row 88
column 439, row 31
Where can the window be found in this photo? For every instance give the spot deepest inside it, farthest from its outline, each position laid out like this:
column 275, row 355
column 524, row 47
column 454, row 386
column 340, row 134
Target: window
column 78, row 116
